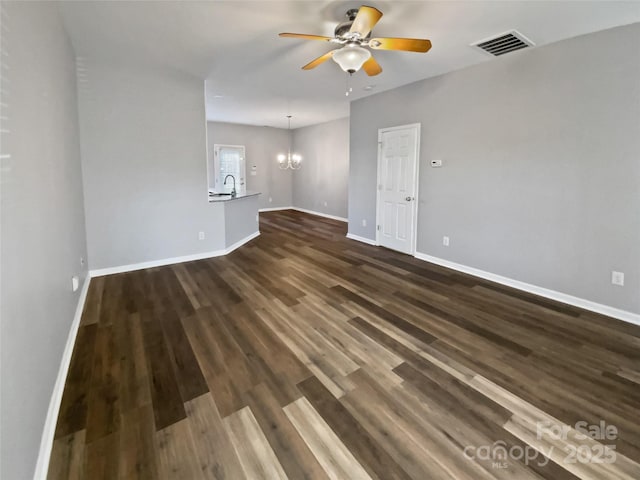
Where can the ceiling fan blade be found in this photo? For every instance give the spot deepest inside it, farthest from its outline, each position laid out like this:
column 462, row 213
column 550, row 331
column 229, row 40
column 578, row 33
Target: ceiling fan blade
column 365, row 20
column 318, row 61
column 407, row 44
column 304, row 36
column 371, row 67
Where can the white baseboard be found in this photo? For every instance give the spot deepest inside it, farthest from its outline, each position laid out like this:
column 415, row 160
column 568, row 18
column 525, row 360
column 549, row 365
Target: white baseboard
column 320, row 214
column 368, row 241
column 240, row 242
column 170, row 261
column 274, row 209
column 304, row 210
column 46, row 443
column 543, row 292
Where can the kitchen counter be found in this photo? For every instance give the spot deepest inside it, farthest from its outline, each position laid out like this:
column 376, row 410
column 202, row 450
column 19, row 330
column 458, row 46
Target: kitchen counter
column 228, row 198
column 237, row 218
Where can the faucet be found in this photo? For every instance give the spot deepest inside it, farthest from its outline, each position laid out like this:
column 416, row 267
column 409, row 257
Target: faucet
column 233, row 192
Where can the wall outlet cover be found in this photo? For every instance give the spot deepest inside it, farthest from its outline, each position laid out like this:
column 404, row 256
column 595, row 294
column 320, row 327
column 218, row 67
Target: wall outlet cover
column 617, row 278
column 445, row 241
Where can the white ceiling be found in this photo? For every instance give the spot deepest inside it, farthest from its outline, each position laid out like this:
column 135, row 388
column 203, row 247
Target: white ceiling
column 254, row 77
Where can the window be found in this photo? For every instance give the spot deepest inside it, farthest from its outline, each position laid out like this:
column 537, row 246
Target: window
column 227, row 160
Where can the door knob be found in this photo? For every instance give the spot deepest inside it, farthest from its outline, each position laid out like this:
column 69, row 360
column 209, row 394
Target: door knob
column 408, row 199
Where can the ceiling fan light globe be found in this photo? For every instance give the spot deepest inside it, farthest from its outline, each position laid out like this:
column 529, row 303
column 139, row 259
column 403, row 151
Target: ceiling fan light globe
column 351, row 57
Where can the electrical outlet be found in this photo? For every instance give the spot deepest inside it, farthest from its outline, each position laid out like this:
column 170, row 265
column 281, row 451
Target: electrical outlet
column 200, row 235
column 75, row 283
column 325, row 204
column 270, row 199
column 617, row 278
column 445, row 241
column 364, row 222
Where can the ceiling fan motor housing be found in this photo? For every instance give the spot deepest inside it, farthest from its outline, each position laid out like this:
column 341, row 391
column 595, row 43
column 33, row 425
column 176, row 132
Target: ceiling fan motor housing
column 343, row 28
column 351, row 13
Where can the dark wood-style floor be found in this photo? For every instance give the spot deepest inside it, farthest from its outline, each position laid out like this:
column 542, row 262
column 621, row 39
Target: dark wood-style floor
column 307, row 355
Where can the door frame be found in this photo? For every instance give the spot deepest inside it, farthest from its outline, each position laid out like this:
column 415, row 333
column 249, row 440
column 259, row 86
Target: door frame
column 416, row 173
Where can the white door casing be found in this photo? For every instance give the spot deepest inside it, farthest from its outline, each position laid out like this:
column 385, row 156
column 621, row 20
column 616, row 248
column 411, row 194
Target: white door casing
column 396, row 214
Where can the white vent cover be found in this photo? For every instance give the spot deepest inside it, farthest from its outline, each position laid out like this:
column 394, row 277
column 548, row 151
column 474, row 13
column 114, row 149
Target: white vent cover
column 503, row 43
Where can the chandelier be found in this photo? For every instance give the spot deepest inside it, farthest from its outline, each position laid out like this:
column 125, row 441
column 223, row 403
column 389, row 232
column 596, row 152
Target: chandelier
column 290, row 160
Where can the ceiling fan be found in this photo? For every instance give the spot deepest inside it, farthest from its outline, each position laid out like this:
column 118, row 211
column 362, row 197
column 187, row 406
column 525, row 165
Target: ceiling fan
column 353, row 35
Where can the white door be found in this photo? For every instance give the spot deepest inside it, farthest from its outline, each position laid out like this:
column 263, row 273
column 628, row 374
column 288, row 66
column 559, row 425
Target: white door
column 228, row 160
column 397, row 174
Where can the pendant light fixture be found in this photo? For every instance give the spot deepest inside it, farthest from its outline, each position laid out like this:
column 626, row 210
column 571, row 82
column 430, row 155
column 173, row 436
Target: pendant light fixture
column 291, row 161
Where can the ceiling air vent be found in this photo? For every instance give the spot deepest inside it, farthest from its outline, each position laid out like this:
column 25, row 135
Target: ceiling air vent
column 503, row 43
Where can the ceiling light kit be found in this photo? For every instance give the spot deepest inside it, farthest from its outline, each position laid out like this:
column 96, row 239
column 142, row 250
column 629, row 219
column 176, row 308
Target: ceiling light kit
column 291, row 161
column 355, row 34
column 351, row 57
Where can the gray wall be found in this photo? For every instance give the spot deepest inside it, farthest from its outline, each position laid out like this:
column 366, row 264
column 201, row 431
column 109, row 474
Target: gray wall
column 43, row 232
column 240, row 218
column 262, row 145
column 541, row 175
column 143, row 137
column 324, row 175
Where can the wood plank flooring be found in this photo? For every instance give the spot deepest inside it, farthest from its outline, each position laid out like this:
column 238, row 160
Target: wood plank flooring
column 305, row 355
